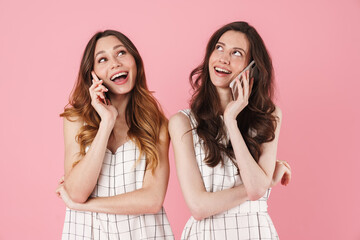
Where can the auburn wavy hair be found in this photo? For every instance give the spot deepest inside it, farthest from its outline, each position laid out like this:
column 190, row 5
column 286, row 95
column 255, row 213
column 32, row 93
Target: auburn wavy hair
column 143, row 113
column 256, row 121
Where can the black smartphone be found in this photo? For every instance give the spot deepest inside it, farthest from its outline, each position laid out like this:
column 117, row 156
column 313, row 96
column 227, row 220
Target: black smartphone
column 252, row 74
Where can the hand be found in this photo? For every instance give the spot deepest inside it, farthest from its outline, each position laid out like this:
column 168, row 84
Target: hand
column 102, row 105
column 233, row 109
column 61, row 192
column 282, row 173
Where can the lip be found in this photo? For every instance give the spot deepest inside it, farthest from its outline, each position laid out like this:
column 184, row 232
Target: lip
column 219, row 74
column 122, row 81
column 118, row 73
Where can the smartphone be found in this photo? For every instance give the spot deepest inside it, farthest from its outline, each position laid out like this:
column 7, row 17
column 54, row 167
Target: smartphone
column 252, row 74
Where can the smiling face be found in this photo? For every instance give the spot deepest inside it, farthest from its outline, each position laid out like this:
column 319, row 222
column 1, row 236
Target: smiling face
column 114, row 65
column 230, row 56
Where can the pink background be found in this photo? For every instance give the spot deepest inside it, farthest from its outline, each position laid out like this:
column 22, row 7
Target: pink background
column 316, row 54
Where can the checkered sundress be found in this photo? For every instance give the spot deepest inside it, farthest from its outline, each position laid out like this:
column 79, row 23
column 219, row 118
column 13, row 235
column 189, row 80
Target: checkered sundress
column 249, row 220
column 119, row 174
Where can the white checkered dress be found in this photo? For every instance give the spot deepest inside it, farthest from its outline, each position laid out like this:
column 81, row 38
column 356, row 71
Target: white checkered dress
column 119, row 174
column 249, row 220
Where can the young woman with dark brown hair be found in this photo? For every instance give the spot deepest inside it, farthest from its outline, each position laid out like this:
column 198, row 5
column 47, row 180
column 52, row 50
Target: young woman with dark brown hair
column 116, row 148
column 225, row 149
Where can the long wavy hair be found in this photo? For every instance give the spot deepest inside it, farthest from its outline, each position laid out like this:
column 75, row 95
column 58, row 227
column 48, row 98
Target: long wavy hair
column 256, row 121
column 144, row 115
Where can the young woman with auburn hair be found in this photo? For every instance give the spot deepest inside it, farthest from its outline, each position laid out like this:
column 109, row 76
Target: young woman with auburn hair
column 225, row 148
column 116, row 148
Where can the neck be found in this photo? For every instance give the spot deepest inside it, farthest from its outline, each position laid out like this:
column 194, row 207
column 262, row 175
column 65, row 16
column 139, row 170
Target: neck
column 225, row 97
column 120, row 101
column 121, row 127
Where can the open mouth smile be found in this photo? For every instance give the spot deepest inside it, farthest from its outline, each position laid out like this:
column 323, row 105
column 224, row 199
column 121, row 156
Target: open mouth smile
column 120, row 78
column 222, row 70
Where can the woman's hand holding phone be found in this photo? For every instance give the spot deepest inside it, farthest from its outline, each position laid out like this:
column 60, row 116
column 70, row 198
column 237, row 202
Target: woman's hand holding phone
column 99, row 101
column 244, row 86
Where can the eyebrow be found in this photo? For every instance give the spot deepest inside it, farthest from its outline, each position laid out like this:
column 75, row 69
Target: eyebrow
column 117, row 46
column 237, row 48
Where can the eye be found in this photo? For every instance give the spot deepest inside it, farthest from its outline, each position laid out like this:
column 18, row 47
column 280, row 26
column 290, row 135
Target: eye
column 102, row 60
column 237, row 53
column 219, row 47
column 122, row 52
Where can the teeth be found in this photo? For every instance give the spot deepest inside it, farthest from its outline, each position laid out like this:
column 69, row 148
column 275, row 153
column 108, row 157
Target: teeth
column 118, row 75
column 221, row 70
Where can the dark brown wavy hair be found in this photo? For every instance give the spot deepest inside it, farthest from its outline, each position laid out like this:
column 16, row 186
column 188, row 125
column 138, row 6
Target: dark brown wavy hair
column 143, row 113
column 256, row 121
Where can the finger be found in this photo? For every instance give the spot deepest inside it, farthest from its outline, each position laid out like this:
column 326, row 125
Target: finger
column 58, row 194
column 94, row 76
column 287, row 165
column 286, row 178
column 243, row 78
column 100, row 96
column 61, row 179
column 240, row 89
column 246, row 85
column 95, row 84
column 101, row 88
column 285, row 181
column 58, row 190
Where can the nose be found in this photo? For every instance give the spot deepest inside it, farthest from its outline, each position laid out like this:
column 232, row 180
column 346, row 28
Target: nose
column 115, row 62
column 225, row 59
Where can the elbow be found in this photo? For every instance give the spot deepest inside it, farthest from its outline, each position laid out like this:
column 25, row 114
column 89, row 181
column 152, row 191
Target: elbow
column 155, row 205
column 256, row 194
column 78, row 199
column 75, row 195
column 198, row 216
column 198, row 211
column 155, row 208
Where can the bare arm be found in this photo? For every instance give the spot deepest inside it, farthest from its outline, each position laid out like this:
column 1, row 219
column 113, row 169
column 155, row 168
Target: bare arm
column 256, row 176
column 201, row 203
column 81, row 179
column 148, row 199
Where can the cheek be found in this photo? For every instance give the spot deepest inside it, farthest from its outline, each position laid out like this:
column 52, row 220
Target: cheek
column 133, row 67
column 99, row 73
column 98, row 69
column 238, row 65
column 213, row 57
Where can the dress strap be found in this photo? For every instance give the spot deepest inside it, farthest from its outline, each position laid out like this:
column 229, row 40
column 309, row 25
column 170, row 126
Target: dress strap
column 188, row 113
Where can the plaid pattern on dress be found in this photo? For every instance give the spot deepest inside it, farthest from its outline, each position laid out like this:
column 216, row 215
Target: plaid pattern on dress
column 248, row 220
column 119, row 174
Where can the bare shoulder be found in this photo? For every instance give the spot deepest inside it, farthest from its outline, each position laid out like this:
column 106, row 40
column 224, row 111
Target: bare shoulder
column 72, row 147
column 71, row 122
column 71, row 129
column 179, row 122
column 164, row 134
column 278, row 113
